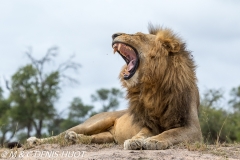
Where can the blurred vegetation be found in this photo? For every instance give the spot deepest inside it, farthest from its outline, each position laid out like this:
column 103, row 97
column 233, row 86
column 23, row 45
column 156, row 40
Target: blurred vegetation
column 107, row 98
column 34, row 89
column 29, row 109
column 220, row 122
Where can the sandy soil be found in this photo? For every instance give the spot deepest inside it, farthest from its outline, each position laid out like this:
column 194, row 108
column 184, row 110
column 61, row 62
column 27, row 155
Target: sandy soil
column 116, row 152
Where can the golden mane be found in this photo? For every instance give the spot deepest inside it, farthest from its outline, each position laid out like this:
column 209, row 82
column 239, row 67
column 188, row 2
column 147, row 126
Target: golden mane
column 161, row 100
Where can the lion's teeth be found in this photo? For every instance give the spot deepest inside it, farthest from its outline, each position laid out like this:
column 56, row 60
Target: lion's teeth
column 119, row 46
column 126, row 71
column 114, row 49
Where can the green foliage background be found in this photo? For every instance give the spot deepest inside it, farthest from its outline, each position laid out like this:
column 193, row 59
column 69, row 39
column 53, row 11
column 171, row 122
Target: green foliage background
column 219, row 122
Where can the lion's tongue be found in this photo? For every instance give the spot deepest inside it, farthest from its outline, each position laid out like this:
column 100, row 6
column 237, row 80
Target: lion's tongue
column 131, row 65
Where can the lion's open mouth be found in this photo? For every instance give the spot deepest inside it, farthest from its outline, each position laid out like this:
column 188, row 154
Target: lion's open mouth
column 130, row 55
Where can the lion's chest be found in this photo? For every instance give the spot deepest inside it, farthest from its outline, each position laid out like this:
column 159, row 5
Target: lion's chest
column 124, row 129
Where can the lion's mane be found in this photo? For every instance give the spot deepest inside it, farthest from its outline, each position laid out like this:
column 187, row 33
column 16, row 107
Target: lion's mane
column 161, row 99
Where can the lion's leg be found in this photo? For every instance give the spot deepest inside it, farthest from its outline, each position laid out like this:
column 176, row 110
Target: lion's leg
column 136, row 142
column 188, row 133
column 146, row 140
column 171, row 137
column 96, row 124
column 33, row 141
column 104, row 137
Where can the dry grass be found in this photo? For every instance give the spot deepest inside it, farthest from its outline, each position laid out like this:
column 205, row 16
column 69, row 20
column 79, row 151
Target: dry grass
column 222, row 150
column 219, row 149
column 62, row 142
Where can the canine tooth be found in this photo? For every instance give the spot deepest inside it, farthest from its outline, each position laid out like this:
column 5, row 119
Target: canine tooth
column 126, row 71
column 119, row 46
column 114, row 49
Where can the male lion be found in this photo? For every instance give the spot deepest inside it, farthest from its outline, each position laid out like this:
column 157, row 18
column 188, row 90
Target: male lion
column 159, row 76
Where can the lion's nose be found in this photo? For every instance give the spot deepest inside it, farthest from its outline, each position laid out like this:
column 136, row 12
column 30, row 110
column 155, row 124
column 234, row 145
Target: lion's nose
column 116, row 35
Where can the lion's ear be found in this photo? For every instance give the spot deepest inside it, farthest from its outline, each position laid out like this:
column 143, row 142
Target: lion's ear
column 168, row 40
column 171, row 46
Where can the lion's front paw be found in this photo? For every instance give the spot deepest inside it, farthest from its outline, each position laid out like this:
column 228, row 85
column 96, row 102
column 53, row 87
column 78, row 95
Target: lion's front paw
column 151, row 144
column 33, row 141
column 71, row 136
column 133, row 144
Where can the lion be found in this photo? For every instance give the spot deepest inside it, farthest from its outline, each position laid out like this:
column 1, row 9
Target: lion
column 160, row 81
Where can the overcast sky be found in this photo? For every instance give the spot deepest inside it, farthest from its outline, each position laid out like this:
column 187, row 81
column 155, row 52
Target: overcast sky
column 211, row 30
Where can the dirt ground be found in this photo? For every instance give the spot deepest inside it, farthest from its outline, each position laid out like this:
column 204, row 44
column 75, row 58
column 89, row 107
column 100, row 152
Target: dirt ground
column 116, row 152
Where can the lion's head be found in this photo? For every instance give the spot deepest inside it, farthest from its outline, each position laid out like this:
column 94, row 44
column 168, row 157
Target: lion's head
column 147, row 53
column 159, row 76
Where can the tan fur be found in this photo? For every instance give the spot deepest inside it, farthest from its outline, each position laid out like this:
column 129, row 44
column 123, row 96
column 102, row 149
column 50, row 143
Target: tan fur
column 163, row 97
